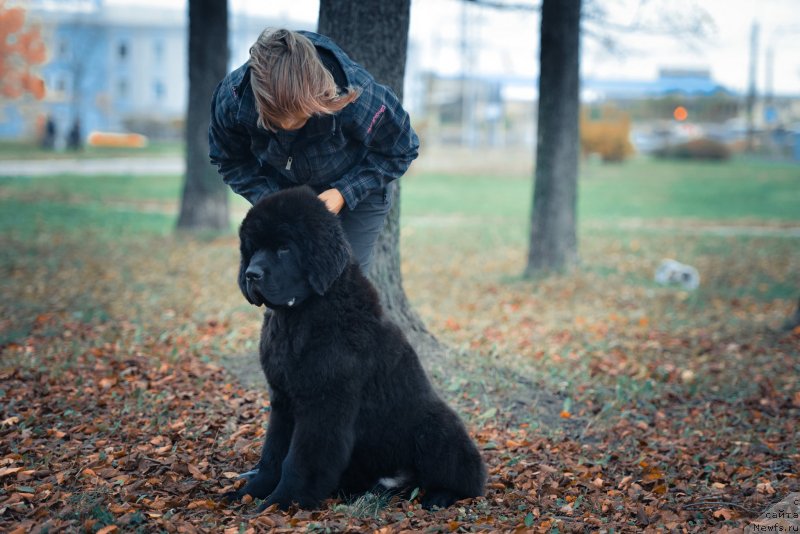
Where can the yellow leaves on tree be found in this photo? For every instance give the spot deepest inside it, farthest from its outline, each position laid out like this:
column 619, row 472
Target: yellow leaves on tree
column 21, row 48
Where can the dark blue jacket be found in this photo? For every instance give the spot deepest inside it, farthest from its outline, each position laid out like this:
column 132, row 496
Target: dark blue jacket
column 357, row 150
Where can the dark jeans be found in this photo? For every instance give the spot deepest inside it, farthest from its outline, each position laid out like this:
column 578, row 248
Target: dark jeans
column 363, row 224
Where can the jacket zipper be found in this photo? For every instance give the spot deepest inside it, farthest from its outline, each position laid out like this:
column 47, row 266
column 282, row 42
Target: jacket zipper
column 289, row 163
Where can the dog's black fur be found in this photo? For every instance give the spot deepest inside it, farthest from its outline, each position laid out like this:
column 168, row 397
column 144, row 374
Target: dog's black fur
column 350, row 401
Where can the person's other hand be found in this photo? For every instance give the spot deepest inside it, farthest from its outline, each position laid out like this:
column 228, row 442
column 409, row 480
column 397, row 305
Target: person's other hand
column 333, row 200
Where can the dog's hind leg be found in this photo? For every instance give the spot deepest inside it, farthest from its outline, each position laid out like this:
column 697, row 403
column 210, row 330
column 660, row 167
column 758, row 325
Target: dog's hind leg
column 449, row 466
column 441, row 498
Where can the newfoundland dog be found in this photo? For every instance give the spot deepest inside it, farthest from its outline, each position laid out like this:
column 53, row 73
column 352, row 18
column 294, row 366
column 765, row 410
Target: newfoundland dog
column 351, row 407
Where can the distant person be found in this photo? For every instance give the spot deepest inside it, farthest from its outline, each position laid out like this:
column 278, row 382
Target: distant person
column 74, row 136
column 300, row 111
column 49, row 137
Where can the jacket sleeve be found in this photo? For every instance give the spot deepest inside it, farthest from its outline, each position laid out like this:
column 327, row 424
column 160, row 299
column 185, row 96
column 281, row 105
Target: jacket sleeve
column 229, row 149
column 378, row 121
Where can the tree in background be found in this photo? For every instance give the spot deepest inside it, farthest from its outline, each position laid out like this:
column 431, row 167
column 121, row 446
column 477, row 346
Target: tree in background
column 21, row 48
column 204, row 203
column 793, row 322
column 553, row 241
column 375, row 34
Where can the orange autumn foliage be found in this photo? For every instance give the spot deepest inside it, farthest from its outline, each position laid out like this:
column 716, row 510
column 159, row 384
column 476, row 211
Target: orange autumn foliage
column 21, row 48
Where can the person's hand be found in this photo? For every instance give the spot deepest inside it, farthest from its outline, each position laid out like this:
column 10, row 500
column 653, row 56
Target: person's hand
column 333, row 200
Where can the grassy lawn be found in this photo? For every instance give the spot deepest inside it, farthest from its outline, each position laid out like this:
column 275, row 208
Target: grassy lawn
column 25, row 150
column 739, row 191
column 641, row 188
column 657, row 383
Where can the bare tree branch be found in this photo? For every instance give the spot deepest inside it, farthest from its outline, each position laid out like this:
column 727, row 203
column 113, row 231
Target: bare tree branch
column 498, row 4
column 691, row 25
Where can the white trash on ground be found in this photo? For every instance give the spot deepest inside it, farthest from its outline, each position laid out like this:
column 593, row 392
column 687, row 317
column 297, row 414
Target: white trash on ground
column 672, row 272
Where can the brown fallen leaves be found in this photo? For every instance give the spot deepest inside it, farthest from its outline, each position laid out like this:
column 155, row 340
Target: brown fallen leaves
column 96, row 439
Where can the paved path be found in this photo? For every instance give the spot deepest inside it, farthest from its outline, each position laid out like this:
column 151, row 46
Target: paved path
column 93, row 167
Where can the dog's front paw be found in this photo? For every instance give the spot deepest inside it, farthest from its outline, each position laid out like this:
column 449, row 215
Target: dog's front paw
column 249, row 475
column 258, row 487
column 283, row 501
column 231, row 496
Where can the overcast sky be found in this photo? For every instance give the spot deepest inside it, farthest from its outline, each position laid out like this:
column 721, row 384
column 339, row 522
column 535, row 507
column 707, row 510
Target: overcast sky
column 509, row 39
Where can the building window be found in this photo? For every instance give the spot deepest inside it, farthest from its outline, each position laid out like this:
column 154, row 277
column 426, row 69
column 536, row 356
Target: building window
column 122, row 88
column 158, row 51
column 63, row 49
column 59, row 86
column 159, row 90
column 122, row 51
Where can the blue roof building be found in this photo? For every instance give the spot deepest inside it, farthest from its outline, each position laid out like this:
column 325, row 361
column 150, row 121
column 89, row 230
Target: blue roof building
column 689, row 82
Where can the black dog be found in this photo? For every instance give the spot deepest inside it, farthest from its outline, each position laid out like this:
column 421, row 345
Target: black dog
column 351, row 405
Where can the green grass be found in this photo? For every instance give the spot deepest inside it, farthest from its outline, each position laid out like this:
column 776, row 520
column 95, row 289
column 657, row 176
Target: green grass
column 164, row 188
column 641, row 189
column 16, row 150
column 105, row 206
column 738, row 189
column 92, row 221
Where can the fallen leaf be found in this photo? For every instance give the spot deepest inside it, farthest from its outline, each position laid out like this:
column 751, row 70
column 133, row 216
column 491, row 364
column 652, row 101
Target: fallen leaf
column 9, row 471
column 724, row 513
column 196, row 473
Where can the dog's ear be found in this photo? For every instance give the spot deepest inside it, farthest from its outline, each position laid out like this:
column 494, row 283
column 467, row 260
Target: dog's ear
column 327, row 261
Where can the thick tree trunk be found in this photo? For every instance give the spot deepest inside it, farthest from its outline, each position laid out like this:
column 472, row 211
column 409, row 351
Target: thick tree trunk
column 375, row 34
column 204, row 204
column 553, row 242
column 793, row 321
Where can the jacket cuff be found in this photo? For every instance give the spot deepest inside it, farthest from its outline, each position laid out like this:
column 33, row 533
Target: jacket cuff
column 351, row 196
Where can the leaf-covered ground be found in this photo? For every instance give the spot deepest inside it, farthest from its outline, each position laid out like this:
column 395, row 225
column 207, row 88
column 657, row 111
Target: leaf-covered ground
column 107, row 437
column 677, row 411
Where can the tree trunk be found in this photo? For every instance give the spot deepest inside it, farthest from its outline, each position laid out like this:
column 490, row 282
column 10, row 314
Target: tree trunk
column 204, row 204
column 553, row 242
column 375, row 34
column 793, row 321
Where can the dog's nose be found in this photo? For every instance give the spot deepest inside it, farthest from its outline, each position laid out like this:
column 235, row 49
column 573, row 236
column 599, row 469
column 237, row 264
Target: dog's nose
column 254, row 272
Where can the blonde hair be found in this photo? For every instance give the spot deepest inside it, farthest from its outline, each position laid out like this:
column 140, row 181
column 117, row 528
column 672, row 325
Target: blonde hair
column 289, row 80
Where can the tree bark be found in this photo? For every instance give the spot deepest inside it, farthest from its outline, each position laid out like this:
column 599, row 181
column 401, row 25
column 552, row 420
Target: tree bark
column 553, row 241
column 204, row 203
column 374, row 33
column 793, row 321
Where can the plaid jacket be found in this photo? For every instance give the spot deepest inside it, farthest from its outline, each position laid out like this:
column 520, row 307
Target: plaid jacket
column 357, row 150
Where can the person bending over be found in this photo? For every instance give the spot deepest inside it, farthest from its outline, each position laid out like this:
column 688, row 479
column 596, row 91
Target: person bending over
column 300, row 111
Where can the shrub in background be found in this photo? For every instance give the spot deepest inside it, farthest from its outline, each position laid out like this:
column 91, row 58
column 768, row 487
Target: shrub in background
column 697, row 149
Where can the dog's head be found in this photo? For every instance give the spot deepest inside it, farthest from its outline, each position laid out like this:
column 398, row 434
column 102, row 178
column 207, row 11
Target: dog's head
column 291, row 247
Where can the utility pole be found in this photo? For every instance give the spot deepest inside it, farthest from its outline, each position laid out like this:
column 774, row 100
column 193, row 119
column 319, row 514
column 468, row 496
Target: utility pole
column 467, row 81
column 769, row 88
column 751, row 92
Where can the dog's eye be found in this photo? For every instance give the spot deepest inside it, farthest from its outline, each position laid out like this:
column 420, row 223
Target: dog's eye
column 283, row 251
